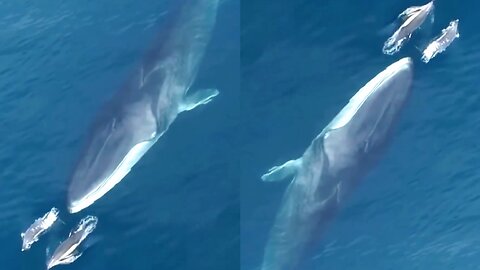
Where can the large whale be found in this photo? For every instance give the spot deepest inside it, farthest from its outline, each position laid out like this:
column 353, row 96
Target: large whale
column 333, row 164
column 149, row 102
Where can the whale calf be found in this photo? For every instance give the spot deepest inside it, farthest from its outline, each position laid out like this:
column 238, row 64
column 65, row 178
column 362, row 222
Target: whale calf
column 38, row 228
column 67, row 251
column 141, row 112
column 440, row 43
column 413, row 18
column 333, row 164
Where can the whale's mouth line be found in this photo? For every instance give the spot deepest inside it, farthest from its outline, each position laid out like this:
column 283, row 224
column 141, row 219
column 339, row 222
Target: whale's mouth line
column 87, row 197
column 120, row 171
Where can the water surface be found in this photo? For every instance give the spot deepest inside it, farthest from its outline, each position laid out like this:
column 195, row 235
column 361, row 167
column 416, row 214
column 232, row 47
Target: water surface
column 301, row 62
column 59, row 62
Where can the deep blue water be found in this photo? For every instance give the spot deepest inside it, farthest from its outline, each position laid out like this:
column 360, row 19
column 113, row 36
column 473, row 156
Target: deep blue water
column 60, row 61
column 301, row 62
column 284, row 69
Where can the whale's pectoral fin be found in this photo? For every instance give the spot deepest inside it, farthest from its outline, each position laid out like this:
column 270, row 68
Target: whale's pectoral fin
column 198, row 98
column 278, row 173
column 22, row 234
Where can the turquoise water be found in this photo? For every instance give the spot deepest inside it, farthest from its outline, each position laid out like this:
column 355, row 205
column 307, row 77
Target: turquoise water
column 59, row 62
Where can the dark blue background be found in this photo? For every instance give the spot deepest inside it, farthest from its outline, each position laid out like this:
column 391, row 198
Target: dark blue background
column 301, row 62
column 59, row 62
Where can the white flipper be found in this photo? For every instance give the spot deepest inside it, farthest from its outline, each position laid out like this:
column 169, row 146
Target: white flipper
column 198, row 98
column 278, row 173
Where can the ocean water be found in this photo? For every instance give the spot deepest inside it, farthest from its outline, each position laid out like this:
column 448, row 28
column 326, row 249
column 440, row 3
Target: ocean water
column 60, row 61
column 301, row 62
column 196, row 201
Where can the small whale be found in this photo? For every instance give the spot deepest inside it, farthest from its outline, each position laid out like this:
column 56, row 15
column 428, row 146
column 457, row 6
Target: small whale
column 38, row 228
column 334, row 164
column 413, row 18
column 441, row 42
column 67, row 251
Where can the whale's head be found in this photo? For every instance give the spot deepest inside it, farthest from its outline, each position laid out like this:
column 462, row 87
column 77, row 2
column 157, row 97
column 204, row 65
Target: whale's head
column 115, row 146
column 453, row 25
column 364, row 124
column 423, row 12
column 428, row 7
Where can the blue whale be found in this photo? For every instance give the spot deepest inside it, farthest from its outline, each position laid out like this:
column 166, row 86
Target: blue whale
column 142, row 111
column 333, row 164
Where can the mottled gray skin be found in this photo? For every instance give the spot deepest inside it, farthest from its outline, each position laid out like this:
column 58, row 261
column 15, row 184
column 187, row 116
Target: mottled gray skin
column 448, row 34
column 440, row 43
column 149, row 102
column 38, row 228
column 32, row 234
column 332, row 165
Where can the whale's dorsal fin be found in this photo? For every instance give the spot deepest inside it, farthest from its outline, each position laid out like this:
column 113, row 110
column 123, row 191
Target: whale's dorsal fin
column 200, row 97
column 283, row 171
